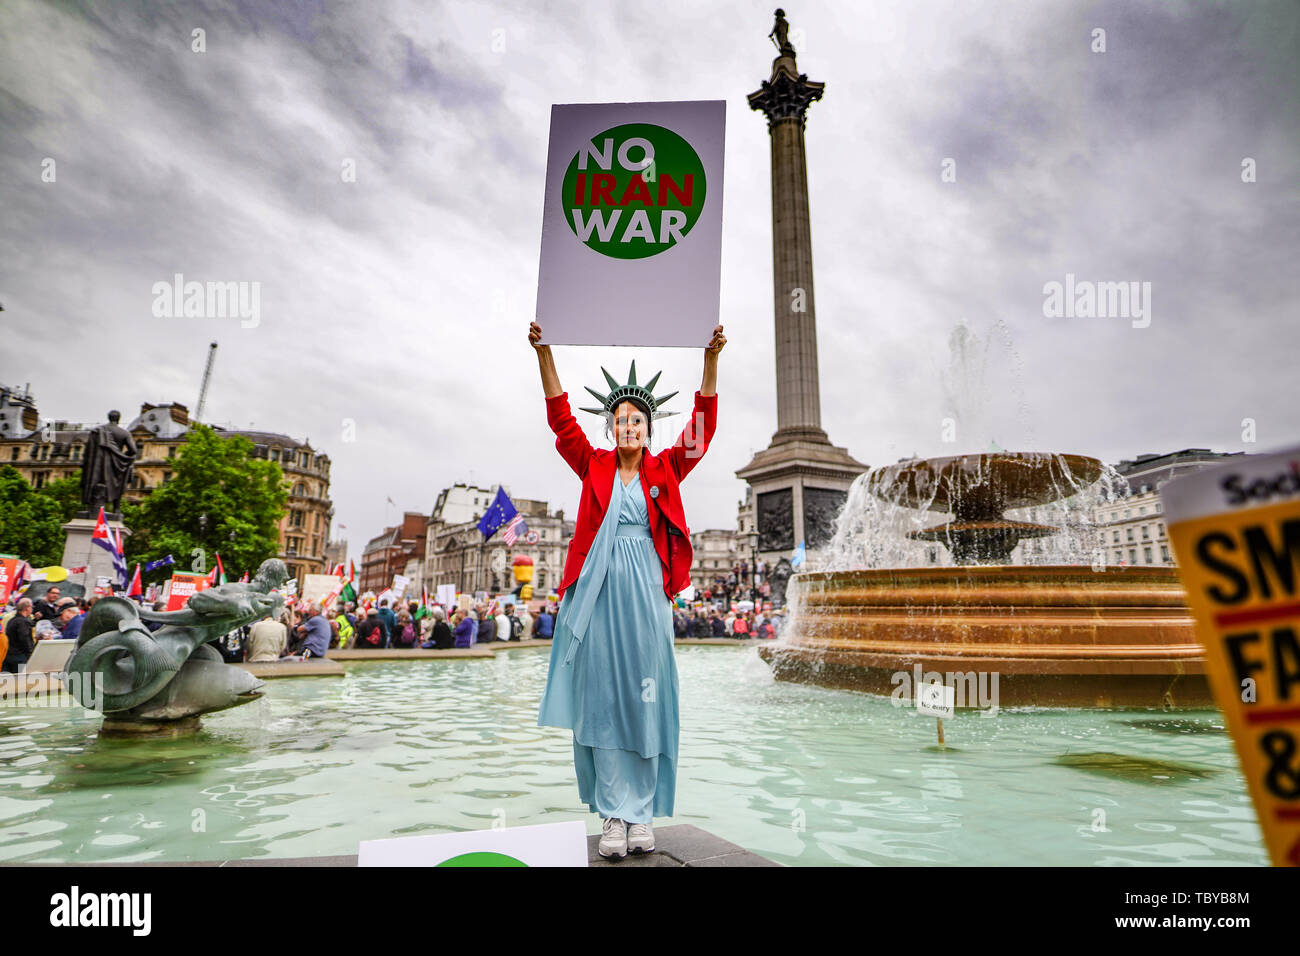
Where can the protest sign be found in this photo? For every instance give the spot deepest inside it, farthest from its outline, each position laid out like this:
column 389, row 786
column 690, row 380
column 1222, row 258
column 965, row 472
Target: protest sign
column 1235, row 531
column 8, row 574
column 632, row 224
column 183, row 587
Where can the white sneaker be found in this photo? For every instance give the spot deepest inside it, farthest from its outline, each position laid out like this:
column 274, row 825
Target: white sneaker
column 613, row 841
column 640, row 838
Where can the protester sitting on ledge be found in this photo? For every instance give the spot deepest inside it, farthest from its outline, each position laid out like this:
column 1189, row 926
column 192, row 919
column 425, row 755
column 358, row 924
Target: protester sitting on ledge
column 464, row 630
column 544, row 628
column 440, row 636
column 315, row 631
column 267, row 641
column 370, row 632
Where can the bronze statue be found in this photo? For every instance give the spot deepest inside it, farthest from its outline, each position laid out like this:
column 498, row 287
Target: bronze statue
column 131, row 673
column 781, row 30
column 780, row 577
column 106, row 465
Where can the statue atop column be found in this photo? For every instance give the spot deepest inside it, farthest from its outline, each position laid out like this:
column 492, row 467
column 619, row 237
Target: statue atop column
column 781, row 32
column 106, row 465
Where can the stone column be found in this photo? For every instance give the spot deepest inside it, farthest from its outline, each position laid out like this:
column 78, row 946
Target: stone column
column 784, row 100
column 800, row 479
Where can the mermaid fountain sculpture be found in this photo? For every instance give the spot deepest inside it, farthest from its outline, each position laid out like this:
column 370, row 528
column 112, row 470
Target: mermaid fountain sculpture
column 137, row 675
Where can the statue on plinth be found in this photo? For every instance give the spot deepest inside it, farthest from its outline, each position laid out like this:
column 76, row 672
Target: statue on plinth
column 780, row 34
column 106, row 465
column 779, row 579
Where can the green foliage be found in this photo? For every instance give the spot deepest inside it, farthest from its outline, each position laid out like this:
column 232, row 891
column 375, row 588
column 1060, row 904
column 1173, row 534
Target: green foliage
column 30, row 520
column 218, row 477
column 67, row 492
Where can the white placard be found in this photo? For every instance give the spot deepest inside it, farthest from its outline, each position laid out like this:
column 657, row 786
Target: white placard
column 934, row 699
column 446, row 595
column 632, row 224
column 546, row 844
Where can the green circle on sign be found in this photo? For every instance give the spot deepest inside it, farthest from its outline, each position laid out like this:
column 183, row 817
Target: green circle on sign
column 483, row 858
column 637, row 212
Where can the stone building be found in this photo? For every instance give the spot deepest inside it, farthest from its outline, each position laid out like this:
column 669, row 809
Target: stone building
column 53, row 450
column 716, row 553
column 1133, row 527
column 387, row 553
column 455, row 552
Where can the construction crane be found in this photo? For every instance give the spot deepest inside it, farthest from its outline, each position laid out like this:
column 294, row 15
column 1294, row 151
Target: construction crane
column 207, row 376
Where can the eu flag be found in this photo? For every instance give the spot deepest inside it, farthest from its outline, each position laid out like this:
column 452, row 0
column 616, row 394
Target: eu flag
column 497, row 515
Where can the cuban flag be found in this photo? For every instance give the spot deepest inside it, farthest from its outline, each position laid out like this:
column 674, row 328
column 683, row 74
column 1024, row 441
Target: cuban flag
column 105, row 537
column 497, row 515
column 514, row 529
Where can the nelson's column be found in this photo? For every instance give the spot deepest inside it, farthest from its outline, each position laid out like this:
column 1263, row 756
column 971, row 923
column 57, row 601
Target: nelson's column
column 800, row 481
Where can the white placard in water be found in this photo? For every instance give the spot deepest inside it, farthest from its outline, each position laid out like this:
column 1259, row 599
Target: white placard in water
column 934, row 699
column 546, row 844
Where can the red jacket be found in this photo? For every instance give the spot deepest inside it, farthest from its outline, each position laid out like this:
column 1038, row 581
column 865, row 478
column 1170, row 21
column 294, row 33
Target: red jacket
column 661, row 473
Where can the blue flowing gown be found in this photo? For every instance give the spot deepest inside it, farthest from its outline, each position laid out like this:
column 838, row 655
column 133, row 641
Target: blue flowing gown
column 613, row 675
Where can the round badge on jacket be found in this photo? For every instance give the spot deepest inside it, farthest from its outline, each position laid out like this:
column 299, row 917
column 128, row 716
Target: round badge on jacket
column 654, row 491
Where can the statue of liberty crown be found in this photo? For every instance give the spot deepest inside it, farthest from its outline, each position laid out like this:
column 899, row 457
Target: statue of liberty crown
column 618, row 393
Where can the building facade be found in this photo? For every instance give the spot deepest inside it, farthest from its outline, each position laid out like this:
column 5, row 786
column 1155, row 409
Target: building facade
column 387, row 553
column 52, row 450
column 455, row 552
column 1133, row 527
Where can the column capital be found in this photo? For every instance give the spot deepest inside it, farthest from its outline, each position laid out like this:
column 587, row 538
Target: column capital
column 787, row 94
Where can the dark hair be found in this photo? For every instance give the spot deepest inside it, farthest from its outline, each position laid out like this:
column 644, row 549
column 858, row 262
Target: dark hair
column 649, row 419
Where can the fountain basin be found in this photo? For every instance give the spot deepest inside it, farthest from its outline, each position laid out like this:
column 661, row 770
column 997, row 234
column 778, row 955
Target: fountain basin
column 1057, row 636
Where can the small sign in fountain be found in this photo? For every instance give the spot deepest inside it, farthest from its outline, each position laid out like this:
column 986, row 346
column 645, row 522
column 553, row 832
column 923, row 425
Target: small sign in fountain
column 159, row 682
column 1066, row 634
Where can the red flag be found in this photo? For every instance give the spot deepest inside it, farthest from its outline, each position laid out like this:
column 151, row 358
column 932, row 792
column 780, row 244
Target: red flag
column 136, row 589
column 101, row 526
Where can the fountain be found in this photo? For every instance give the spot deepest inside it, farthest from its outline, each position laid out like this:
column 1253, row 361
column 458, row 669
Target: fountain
column 1014, row 582
column 1066, row 635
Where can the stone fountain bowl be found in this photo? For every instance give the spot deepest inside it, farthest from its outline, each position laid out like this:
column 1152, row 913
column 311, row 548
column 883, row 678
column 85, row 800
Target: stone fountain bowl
column 983, row 486
column 1059, row 636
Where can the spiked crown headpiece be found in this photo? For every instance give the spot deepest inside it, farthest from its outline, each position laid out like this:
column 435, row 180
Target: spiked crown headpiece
column 619, row 393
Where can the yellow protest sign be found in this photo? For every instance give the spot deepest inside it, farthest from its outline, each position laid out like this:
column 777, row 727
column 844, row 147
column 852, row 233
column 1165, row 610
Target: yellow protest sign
column 1235, row 531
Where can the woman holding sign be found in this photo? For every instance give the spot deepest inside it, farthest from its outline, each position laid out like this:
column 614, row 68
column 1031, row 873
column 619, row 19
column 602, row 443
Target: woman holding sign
column 613, row 676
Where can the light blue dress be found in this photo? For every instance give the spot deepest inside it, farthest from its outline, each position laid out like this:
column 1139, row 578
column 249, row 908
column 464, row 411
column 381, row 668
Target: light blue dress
column 613, row 675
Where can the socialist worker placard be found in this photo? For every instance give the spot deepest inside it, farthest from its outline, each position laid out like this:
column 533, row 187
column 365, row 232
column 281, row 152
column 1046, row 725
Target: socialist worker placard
column 1235, row 529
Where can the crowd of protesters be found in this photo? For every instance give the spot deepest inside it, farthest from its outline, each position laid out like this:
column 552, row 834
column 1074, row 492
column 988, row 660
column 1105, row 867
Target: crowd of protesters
column 26, row 621
column 304, row 630
column 738, row 624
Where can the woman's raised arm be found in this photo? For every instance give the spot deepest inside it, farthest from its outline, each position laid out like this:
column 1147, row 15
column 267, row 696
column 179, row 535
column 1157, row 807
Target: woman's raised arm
column 709, row 382
column 545, row 362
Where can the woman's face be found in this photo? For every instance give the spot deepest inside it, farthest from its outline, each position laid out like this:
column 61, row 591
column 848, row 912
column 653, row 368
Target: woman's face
column 630, row 426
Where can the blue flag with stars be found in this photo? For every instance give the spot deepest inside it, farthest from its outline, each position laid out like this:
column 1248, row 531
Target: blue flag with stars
column 498, row 514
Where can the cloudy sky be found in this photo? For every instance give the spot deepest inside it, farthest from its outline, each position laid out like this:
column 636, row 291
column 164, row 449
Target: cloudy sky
column 401, row 301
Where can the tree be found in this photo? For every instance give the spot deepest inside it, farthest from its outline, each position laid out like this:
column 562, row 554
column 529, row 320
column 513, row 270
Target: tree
column 30, row 520
column 242, row 497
